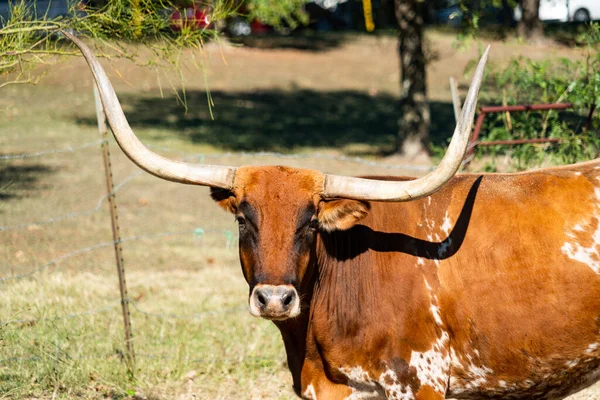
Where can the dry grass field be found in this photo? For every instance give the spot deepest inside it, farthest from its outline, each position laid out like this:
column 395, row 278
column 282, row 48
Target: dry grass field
column 61, row 332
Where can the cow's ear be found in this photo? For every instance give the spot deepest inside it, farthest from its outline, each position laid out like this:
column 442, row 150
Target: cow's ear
column 339, row 215
column 224, row 198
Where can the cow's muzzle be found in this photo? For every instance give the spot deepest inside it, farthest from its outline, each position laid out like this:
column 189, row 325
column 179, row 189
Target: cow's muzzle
column 274, row 302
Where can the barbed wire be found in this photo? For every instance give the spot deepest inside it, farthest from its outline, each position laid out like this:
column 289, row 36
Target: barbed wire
column 69, row 149
column 56, row 261
column 194, row 316
column 59, row 317
column 203, row 156
column 57, row 356
column 19, row 359
column 229, row 238
column 205, row 360
column 143, row 355
column 74, row 214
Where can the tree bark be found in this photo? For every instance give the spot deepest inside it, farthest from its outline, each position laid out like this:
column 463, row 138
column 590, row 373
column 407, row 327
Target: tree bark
column 413, row 134
column 530, row 27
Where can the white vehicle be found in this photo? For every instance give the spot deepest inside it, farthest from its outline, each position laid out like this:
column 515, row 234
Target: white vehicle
column 566, row 10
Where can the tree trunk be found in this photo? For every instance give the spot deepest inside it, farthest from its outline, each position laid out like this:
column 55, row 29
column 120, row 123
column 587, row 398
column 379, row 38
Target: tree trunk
column 413, row 135
column 530, row 27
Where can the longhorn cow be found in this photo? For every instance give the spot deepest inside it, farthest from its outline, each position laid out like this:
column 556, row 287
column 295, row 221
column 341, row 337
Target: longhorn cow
column 466, row 286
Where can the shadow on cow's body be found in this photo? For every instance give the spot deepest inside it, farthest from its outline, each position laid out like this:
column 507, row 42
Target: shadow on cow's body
column 363, row 238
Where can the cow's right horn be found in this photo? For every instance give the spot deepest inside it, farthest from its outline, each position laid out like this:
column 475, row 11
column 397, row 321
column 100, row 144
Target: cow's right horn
column 336, row 186
column 194, row 174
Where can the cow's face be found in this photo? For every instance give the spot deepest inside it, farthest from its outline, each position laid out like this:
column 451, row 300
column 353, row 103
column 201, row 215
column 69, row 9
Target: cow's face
column 280, row 213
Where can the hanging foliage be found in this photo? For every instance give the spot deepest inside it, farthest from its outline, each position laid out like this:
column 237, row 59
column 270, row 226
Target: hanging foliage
column 30, row 36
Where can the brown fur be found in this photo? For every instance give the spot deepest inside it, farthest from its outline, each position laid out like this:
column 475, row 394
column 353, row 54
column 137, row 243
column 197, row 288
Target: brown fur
column 517, row 317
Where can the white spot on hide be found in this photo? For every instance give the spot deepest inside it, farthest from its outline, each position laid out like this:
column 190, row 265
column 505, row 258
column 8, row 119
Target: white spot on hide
column 477, row 374
column 584, row 255
column 363, row 387
column 310, row 393
column 436, row 314
column 447, row 225
column 358, row 376
column 589, row 256
column 455, row 360
column 432, row 366
column 474, row 376
column 572, row 364
column 435, row 310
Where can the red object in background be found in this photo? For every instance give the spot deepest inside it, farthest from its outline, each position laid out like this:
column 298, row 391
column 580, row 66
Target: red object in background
column 190, row 17
column 258, row 27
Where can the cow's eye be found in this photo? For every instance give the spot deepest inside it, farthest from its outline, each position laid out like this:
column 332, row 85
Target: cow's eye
column 314, row 224
column 240, row 220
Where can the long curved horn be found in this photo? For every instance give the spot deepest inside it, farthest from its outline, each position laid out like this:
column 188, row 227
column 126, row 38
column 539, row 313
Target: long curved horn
column 366, row 189
column 194, row 174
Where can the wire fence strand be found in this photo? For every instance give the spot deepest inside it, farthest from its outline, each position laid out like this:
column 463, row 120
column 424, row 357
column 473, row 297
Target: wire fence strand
column 236, row 155
column 101, row 310
column 59, row 317
column 229, row 236
column 74, row 214
column 149, row 356
column 195, row 316
column 69, row 149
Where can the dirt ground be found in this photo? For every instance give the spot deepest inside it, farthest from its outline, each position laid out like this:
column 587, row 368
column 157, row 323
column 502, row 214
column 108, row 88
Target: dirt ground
column 320, row 106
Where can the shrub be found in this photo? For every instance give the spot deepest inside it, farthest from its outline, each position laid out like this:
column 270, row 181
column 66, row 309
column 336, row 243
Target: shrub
column 526, row 81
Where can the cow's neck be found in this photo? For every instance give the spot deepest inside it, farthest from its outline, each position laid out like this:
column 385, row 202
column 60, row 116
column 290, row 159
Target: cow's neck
column 294, row 331
column 345, row 284
column 293, row 334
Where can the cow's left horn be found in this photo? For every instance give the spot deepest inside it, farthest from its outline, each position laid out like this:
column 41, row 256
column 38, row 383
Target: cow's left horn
column 367, row 189
column 194, row 174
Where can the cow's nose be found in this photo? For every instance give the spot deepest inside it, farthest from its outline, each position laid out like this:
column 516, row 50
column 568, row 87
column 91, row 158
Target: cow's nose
column 276, row 302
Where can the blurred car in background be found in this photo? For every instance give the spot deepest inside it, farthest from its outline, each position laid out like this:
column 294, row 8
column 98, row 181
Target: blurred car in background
column 566, row 10
column 449, row 12
column 194, row 16
column 241, row 25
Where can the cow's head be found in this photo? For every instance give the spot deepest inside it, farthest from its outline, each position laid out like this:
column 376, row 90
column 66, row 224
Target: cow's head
column 281, row 210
